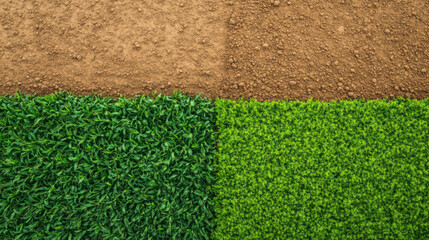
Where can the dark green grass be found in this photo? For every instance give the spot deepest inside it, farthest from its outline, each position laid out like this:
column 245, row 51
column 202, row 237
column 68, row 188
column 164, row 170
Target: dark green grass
column 100, row 168
column 347, row 170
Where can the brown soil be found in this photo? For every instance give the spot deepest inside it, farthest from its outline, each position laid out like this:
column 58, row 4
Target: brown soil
column 111, row 47
column 328, row 49
column 264, row 49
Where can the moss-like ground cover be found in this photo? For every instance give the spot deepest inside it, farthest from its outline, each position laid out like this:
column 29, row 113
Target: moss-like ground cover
column 100, row 168
column 313, row 170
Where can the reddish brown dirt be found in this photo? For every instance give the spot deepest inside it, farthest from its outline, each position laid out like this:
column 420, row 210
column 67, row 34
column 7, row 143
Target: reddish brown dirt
column 328, row 49
column 266, row 49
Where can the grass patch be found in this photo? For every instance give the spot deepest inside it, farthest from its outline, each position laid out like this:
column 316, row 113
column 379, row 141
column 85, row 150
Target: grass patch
column 102, row 168
column 314, row 170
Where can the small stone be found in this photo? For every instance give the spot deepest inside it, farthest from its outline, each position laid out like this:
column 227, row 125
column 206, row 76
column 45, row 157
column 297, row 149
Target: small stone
column 293, row 83
column 137, row 45
column 241, row 84
column 276, row 3
column 374, row 80
column 397, row 88
column 424, row 70
column 265, row 45
column 351, row 94
column 387, row 31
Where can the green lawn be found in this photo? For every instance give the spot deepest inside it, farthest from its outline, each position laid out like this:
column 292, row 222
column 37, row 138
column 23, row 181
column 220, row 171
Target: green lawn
column 100, row 168
column 313, row 170
column 147, row 168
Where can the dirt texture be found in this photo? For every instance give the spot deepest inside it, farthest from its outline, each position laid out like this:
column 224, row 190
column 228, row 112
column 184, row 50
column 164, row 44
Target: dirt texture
column 111, row 47
column 328, row 49
column 264, row 49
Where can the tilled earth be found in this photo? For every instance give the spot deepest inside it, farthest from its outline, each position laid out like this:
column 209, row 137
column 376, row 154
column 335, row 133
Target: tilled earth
column 268, row 50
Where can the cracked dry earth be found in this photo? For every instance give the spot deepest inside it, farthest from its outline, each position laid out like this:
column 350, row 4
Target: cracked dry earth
column 268, row 50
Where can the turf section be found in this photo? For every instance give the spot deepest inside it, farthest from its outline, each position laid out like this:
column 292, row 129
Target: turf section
column 337, row 170
column 99, row 168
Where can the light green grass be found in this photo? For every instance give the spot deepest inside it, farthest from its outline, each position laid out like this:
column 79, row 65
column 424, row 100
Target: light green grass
column 347, row 170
